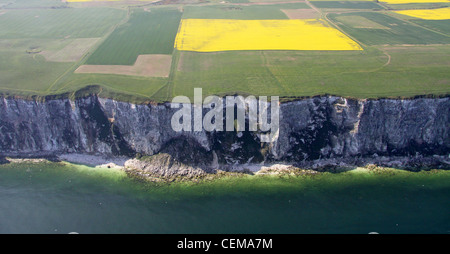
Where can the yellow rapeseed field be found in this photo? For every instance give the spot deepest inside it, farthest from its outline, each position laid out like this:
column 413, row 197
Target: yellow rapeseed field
column 432, row 14
column 413, row 1
column 209, row 35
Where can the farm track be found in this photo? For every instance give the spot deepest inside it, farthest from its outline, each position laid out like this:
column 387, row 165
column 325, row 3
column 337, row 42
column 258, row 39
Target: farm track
column 417, row 25
column 165, row 92
column 325, row 16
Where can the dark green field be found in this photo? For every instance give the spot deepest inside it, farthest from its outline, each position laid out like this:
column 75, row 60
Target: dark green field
column 402, row 56
column 145, row 33
column 442, row 26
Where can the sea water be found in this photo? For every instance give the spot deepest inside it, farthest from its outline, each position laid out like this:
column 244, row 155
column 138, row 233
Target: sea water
column 63, row 198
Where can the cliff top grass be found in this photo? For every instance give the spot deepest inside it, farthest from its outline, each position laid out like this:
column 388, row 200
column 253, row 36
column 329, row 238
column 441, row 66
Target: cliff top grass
column 402, row 56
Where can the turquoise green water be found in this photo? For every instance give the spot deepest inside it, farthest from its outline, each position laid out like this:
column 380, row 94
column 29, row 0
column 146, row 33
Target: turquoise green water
column 56, row 198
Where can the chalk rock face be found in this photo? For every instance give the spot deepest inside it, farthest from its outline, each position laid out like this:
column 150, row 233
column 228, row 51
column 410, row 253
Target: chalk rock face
column 316, row 128
column 330, row 127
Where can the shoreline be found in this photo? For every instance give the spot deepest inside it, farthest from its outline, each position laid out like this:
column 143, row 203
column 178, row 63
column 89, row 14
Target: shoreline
column 377, row 164
column 94, row 161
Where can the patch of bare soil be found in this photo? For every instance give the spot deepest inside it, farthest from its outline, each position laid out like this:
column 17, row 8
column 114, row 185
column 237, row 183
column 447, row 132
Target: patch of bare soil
column 145, row 65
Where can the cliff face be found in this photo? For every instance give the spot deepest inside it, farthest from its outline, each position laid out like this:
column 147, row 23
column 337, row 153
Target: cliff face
column 310, row 129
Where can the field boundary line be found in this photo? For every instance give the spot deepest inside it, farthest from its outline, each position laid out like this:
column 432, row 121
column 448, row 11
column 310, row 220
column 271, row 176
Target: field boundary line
column 173, row 70
column 342, row 31
column 325, row 16
column 313, row 7
column 266, row 65
column 170, row 84
column 90, row 51
column 390, row 14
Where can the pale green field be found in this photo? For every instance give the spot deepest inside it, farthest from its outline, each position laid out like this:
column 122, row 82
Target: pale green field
column 403, row 71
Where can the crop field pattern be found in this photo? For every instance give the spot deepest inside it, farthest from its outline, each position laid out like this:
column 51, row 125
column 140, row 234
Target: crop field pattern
column 32, row 55
column 209, row 35
column 390, row 30
column 145, row 33
column 433, row 14
column 140, row 51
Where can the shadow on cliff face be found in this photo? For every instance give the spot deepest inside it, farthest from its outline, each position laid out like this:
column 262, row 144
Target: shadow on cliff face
column 234, row 147
column 312, row 132
column 315, row 139
column 179, row 158
column 187, row 151
column 98, row 127
column 3, row 160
